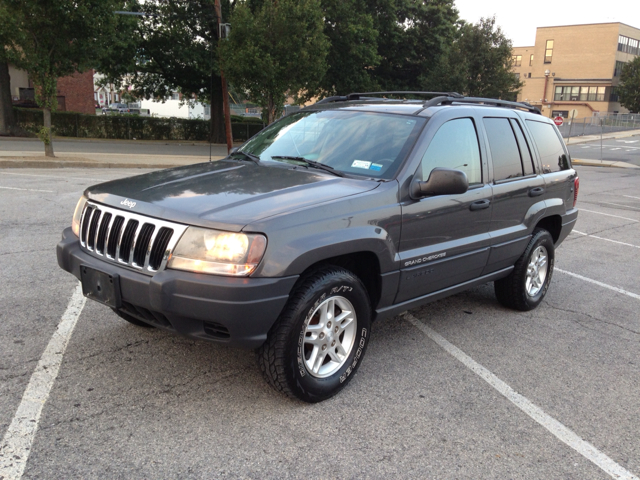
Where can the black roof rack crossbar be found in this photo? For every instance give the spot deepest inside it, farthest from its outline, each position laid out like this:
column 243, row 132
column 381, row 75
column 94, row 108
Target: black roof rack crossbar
column 376, row 96
column 444, row 100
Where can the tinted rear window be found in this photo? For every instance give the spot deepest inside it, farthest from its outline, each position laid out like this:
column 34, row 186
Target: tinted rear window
column 504, row 149
column 550, row 147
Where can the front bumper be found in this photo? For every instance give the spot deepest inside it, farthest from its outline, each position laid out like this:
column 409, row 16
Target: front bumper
column 235, row 311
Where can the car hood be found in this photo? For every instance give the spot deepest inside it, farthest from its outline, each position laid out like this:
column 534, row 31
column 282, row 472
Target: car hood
column 225, row 194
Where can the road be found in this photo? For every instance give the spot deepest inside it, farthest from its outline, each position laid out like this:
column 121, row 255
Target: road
column 619, row 150
column 131, row 402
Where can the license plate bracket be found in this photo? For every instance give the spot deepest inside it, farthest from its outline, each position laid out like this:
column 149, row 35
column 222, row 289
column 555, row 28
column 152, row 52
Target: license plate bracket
column 100, row 286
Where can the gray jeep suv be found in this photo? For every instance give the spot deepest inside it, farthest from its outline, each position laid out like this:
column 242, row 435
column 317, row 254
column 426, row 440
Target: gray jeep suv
column 351, row 210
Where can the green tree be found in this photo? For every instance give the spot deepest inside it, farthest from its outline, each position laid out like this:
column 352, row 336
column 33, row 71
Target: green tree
column 57, row 38
column 629, row 89
column 7, row 32
column 353, row 53
column 277, row 49
column 479, row 62
column 172, row 47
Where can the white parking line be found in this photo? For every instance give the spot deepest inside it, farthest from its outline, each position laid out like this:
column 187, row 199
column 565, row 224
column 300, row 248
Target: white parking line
column 619, row 205
column 609, row 215
column 556, row 428
column 27, row 189
column 17, row 441
column 630, row 196
column 606, row 239
column 600, row 284
column 53, row 176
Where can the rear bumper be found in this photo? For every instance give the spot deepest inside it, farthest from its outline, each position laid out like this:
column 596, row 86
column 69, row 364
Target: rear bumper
column 568, row 222
column 235, row 311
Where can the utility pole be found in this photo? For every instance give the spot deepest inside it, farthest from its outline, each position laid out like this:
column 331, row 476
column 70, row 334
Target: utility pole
column 225, row 91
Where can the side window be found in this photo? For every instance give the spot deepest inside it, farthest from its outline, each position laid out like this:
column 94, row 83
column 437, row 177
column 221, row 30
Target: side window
column 525, row 151
column 455, row 146
column 550, row 147
column 504, row 149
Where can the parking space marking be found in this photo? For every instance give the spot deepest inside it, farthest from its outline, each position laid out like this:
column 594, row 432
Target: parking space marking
column 16, row 444
column 630, row 196
column 619, row 205
column 600, row 284
column 609, row 215
column 27, row 189
column 556, row 428
column 53, row 176
column 602, row 238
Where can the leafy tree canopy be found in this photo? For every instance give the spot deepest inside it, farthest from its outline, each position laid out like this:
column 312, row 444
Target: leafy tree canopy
column 629, row 89
column 52, row 39
column 279, row 48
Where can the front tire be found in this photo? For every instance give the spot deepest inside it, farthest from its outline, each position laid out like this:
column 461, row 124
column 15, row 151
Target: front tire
column 527, row 284
column 317, row 344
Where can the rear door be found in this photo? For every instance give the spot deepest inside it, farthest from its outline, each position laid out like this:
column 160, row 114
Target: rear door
column 518, row 188
column 445, row 238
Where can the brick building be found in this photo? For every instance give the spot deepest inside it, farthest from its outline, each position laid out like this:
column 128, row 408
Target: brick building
column 75, row 92
column 575, row 69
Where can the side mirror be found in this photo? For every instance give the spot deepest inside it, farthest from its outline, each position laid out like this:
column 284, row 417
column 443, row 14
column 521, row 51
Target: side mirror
column 442, row 181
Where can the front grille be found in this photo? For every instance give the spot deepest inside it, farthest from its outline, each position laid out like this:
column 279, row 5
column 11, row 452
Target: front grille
column 127, row 238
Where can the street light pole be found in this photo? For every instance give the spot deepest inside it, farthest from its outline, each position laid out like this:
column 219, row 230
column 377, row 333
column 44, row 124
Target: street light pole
column 225, row 91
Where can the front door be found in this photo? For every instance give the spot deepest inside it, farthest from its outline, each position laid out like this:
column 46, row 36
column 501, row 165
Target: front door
column 445, row 238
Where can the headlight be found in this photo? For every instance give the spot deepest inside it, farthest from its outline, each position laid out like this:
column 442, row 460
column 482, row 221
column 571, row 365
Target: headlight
column 222, row 253
column 77, row 216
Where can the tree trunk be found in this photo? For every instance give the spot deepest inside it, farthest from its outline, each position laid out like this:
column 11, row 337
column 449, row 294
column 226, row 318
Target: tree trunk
column 7, row 118
column 46, row 136
column 217, row 133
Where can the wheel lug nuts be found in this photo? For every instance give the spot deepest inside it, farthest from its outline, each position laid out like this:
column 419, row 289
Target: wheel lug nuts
column 333, row 344
column 329, row 325
column 336, row 330
column 324, row 347
column 321, row 336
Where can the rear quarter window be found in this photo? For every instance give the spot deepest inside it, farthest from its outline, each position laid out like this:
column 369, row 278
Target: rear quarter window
column 552, row 155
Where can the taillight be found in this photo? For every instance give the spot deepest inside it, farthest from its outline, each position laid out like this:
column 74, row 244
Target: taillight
column 576, row 187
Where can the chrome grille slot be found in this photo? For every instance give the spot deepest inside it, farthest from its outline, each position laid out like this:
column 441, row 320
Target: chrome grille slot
column 114, row 236
column 91, row 240
column 142, row 244
column 128, row 239
column 102, row 233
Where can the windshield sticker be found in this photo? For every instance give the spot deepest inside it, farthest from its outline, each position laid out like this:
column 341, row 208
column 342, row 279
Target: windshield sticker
column 375, row 166
column 361, row 164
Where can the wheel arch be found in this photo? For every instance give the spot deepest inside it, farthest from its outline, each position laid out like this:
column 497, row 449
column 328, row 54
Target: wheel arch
column 553, row 225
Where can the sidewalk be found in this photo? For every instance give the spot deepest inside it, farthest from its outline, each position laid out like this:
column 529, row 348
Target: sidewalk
column 606, row 136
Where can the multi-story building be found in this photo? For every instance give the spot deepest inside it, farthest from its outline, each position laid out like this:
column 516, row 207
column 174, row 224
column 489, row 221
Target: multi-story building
column 573, row 70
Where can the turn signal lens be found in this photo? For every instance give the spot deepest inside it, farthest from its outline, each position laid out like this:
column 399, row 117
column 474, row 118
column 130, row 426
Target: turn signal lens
column 576, row 187
column 77, row 216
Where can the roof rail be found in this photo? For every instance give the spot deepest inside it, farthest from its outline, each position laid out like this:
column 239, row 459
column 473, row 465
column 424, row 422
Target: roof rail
column 375, row 95
column 448, row 100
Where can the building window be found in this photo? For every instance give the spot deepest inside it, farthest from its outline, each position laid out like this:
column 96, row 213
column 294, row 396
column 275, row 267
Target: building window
column 583, row 94
column 628, row 45
column 517, row 60
column 531, row 61
column 548, row 52
column 116, row 97
column 529, row 74
column 175, row 96
column 614, row 97
column 518, row 77
column 618, row 70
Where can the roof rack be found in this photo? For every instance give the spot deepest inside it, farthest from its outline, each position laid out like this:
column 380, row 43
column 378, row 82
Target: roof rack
column 375, row 96
column 448, row 100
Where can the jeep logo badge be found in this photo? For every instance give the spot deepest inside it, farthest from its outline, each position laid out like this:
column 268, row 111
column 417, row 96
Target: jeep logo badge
column 128, row 203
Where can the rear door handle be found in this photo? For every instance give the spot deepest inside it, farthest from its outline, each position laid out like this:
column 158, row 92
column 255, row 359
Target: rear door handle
column 536, row 192
column 480, row 204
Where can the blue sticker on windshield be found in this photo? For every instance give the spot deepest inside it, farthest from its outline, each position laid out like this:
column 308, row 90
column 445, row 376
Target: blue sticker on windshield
column 375, row 166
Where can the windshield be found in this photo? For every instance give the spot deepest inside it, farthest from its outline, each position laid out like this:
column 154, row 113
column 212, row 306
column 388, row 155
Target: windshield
column 356, row 143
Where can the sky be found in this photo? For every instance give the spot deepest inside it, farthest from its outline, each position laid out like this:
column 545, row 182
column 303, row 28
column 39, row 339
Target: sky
column 519, row 19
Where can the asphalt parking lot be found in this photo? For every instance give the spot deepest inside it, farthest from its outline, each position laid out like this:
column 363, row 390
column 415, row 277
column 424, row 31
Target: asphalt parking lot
column 461, row 388
column 619, row 150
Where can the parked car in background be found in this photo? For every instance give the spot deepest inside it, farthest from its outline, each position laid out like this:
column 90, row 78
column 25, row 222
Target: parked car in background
column 116, row 108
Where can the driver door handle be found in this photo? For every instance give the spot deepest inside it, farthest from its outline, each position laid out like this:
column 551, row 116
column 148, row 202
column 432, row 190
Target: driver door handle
column 480, row 205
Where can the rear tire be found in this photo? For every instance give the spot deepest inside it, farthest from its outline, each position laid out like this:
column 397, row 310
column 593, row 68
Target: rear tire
column 317, row 344
column 132, row 320
column 527, row 284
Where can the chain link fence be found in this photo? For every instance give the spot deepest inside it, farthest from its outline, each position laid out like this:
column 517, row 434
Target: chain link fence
column 600, row 124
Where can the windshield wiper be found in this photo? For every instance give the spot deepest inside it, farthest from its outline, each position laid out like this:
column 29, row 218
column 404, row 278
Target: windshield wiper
column 254, row 158
column 310, row 163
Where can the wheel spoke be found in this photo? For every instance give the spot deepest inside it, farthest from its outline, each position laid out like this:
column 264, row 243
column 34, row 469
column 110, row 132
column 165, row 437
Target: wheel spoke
column 341, row 351
column 346, row 322
column 319, row 360
column 342, row 316
column 334, row 356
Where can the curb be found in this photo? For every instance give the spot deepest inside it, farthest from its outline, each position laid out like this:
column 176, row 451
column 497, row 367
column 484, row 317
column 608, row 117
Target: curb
column 604, row 163
column 59, row 164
